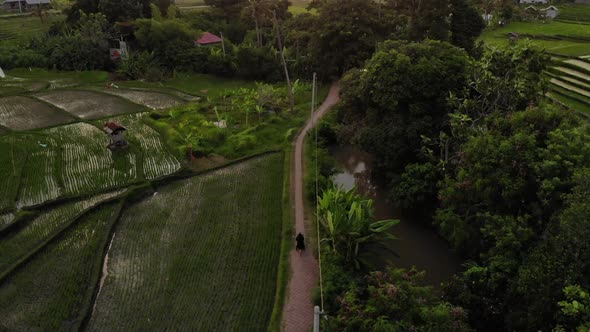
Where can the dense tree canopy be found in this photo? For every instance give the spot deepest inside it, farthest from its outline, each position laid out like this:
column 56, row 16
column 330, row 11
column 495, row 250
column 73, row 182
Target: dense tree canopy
column 466, row 25
column 400, row 96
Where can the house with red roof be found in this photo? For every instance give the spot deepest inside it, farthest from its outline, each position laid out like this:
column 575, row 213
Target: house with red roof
column 208, row 39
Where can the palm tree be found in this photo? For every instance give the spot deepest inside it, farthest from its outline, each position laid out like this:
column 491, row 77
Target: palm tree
column 260, row 10
column 348, row 222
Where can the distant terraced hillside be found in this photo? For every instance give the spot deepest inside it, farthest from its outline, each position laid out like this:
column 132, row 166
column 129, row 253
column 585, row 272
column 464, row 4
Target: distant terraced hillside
column 570, row 83
column 21, row 28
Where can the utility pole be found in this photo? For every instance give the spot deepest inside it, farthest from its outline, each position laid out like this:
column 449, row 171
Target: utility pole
column 312, row 98
column 222, row 43
column 20, row 8
column 316, row 319
column 278, row 32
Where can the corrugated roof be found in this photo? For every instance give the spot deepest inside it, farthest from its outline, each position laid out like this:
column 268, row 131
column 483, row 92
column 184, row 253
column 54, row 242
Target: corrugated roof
column 208, row 38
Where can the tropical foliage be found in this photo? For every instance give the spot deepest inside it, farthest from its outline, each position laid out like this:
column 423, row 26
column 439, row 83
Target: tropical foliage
column 348, row 222
column 499, row 171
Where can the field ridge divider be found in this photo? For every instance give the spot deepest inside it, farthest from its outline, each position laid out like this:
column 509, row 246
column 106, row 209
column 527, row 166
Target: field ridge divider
column 287, row 232
column 85, row 313
column 33, row 252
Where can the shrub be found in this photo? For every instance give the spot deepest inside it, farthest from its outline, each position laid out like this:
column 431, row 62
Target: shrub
column 258, row 63
column 13, row 57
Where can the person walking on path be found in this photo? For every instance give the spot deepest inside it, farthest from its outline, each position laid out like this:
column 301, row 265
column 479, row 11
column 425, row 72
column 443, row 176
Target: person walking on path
column 300, row 247
column 298, row 308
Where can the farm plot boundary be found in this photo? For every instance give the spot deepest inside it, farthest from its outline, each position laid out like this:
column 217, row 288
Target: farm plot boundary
column 42, row 243
column 69, row 267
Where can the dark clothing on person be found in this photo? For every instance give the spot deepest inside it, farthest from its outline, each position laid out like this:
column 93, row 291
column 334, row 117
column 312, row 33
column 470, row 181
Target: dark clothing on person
column 300, row 242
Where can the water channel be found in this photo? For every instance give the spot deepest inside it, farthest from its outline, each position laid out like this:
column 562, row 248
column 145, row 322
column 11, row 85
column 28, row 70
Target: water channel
column 417, row 244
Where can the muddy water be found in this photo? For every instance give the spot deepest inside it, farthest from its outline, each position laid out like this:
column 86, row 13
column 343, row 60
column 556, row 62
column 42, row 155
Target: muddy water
column 418, row 245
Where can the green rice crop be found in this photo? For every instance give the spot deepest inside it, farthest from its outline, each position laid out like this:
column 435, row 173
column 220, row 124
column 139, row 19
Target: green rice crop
column 21, row 242
column 156, row 160
column 201, row 254
column 12, row 159
column 6, row 219
column 48, row 293
column 39, row 179
column 86, row 163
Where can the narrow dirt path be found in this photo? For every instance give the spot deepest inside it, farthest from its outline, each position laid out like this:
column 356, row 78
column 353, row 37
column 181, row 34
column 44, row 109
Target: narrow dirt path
column 298, row 309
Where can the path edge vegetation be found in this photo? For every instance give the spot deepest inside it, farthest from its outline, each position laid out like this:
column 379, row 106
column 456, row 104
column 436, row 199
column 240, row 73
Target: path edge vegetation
column 287, row 233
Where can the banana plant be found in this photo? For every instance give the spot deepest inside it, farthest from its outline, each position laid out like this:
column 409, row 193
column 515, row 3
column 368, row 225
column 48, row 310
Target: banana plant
column 349, row 225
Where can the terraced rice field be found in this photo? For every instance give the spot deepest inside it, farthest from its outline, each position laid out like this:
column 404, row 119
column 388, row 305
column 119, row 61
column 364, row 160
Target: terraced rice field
column 50, row 292
column 153, row 100
column 200, row 255
column 570, row 87
column 86, row 164
column 22, row 113
column 19, row 29
column 157, row 160
column 88, row 104
column 23, row 241
column 582, row 64
column 575, row 82
column 572, row 72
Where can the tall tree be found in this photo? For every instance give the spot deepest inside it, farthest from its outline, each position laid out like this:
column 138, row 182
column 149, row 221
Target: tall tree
column 401, row 96
column 260, row 11
column 427, row 18
column 284, row 62
column 466, row 25
column 230, row 8
column 345, row 35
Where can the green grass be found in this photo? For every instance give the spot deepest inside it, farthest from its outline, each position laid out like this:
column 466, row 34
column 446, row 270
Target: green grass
column 539, row 31
column 248, row 132
column 70, row 77
column 200, row 255
column 49, row 292
column 196, row 84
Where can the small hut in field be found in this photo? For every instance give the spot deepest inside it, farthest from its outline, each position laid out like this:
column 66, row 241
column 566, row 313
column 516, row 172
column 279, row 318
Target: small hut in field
column 116, row 133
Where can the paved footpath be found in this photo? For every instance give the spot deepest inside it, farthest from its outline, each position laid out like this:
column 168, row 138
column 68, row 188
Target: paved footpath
column 298, row 309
